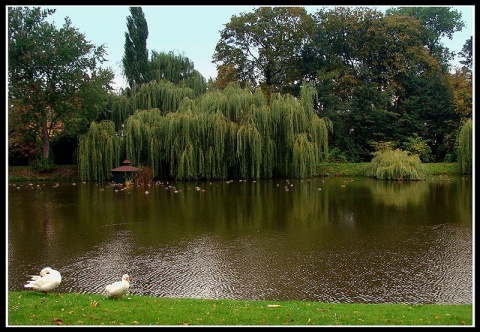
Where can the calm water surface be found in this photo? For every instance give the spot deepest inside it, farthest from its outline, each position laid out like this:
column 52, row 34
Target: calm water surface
column 323, row 239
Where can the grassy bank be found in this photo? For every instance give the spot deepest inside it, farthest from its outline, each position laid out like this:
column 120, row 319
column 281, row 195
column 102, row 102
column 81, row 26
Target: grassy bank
column 59, row 173
column 32, row 308
column 70, row 172
column 358, row 169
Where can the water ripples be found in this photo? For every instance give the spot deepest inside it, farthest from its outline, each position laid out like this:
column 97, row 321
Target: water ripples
column 259, row 243
column 211, row 268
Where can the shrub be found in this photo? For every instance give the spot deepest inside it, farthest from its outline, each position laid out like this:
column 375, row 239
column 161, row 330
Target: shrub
column 416, row 145
column 396, row 165
column 43, row 165
column 337, row 156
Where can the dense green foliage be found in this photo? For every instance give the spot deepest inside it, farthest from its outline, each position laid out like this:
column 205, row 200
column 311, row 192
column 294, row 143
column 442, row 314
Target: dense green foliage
column 377, row 77
column 35, row 309
column 437, row 22
column 377, row 82
column 467, row 54
column 416, row 145
column 264, row 47
column 53, row 82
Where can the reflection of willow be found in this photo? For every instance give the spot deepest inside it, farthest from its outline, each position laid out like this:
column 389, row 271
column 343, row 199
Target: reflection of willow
column 460, row 187
column 464, row 192
column 247, row 206
column 399, row 194
column 48, row 222
column 220, row 134
column 303, row 206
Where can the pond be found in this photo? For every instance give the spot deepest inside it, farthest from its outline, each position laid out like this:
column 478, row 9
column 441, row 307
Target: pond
column 342, row 240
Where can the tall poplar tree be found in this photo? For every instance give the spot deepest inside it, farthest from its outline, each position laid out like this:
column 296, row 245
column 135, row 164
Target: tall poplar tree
column 135, row 59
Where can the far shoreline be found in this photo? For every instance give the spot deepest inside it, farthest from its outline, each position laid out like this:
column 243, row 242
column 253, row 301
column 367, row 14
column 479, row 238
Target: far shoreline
column 69, row 173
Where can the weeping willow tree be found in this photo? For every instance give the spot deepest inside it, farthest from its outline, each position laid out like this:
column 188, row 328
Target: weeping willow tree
column 144, row 140
column 232, row 133
column 163, row 95
column 120, row 108
column 99, row 150
column 318, row 127
column 217, row 135
column 174, row 78
column 249, row 149
column 263, row 122
column 177, row 69
column 215, row 101
column 304, row 157
column 240, row 100
column 181, row 145
column 198, row 143
column 138, row 133
column 283, row 110
column 218, row 143
column 301, row 137
column 465, row 148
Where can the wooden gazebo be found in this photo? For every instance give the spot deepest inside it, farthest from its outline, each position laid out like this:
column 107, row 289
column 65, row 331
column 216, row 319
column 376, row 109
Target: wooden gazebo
column 125, row 172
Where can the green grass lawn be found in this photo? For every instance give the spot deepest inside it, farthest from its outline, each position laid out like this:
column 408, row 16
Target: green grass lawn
column 33, row 308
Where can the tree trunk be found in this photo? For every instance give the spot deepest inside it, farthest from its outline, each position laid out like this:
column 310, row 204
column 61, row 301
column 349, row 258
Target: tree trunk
column 46, row 142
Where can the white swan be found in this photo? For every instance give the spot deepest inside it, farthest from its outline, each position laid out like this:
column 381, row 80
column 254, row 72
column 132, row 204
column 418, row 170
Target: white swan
column 48, row 280
column 118, row 288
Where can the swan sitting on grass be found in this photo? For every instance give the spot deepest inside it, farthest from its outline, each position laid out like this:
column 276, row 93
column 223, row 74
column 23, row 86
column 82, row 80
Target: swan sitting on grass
column 48, row 280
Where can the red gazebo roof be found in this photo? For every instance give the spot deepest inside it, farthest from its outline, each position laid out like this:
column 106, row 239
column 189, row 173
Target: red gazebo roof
column 126, row 167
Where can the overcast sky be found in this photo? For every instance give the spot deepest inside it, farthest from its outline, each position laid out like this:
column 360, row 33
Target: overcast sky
column 192, row 31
